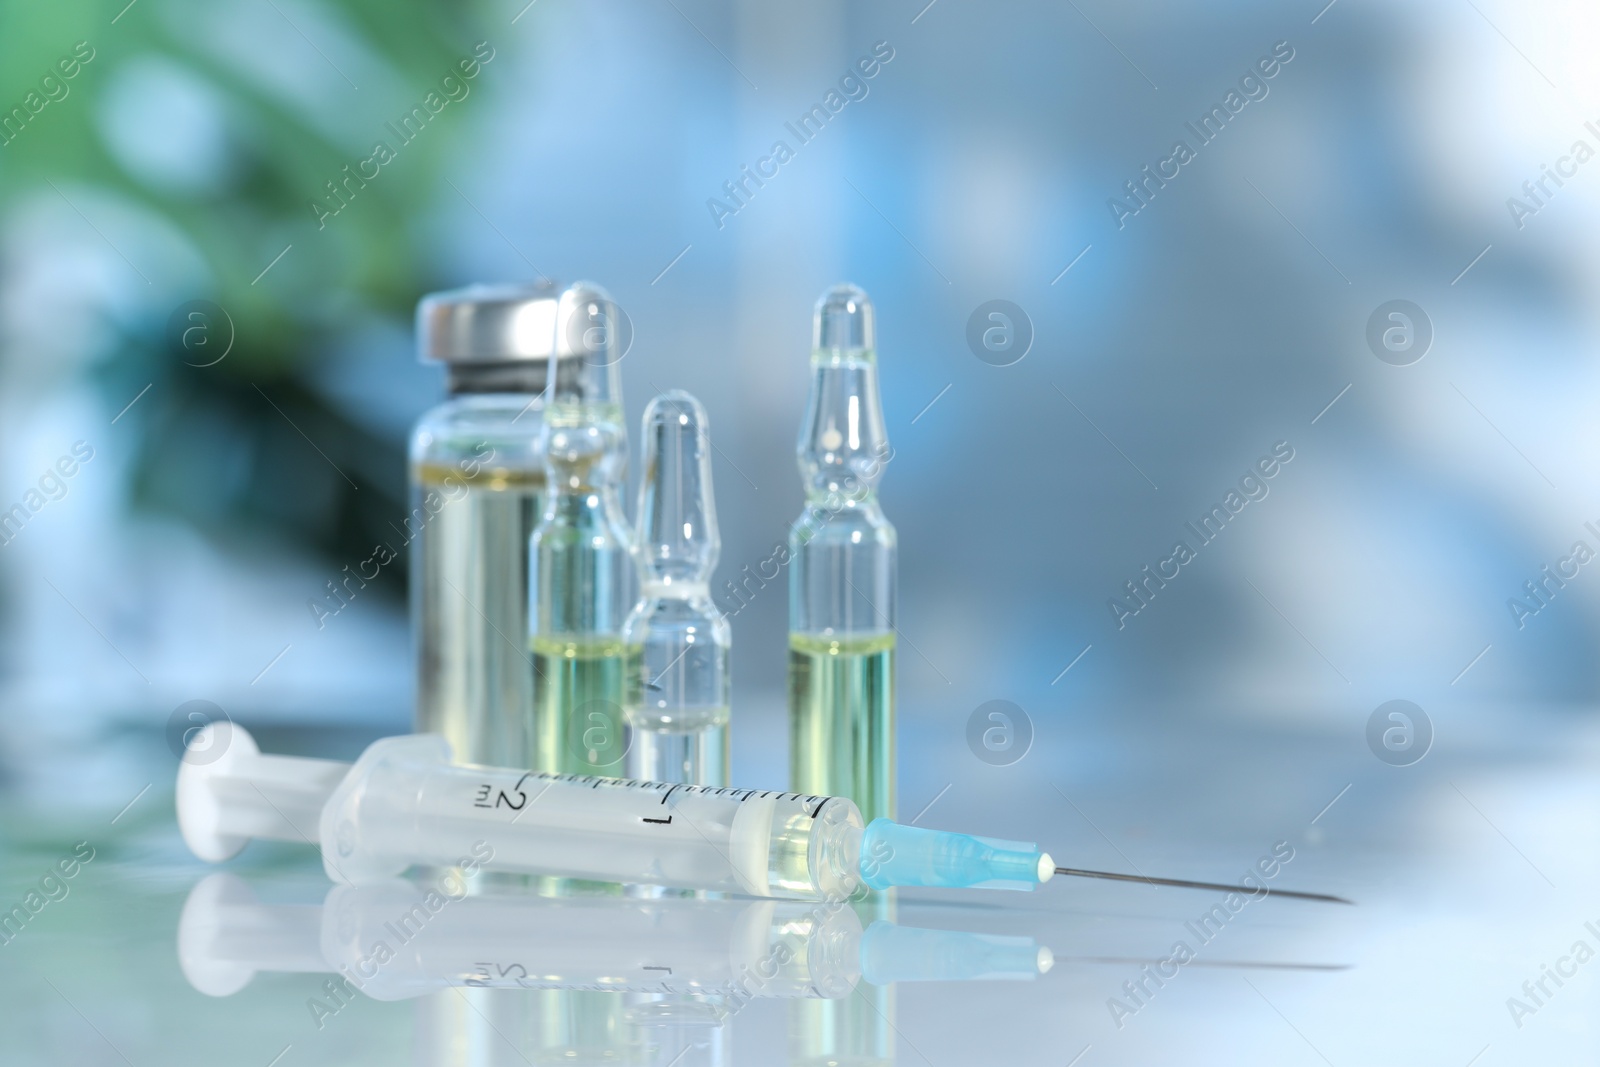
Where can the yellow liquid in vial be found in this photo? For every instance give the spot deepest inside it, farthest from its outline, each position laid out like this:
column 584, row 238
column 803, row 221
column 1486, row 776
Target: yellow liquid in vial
column 469, row 539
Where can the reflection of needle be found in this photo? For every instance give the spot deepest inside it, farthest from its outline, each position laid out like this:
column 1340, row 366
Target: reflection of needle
column 1239, row 964
column 1184, row 884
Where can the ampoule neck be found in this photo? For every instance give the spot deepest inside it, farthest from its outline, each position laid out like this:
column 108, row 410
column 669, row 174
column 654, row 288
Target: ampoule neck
column 585, row 436
column 689, row 591
column 585, row 452
column 677, row 538
column 826, row 490
column 843, row 443
column 844, row 357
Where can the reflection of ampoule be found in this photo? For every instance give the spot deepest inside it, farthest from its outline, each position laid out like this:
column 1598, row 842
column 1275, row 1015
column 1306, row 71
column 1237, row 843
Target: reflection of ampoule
column 842, row 578
column 582, row 566
column 677, row 701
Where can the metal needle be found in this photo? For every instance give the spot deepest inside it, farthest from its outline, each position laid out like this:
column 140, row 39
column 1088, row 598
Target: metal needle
column 1184, row 884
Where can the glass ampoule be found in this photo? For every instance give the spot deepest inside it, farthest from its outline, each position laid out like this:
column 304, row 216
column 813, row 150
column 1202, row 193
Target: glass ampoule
column 581, row 550
column 677, row 646
column 842, row 637
column 678, row 642
column 842, row 572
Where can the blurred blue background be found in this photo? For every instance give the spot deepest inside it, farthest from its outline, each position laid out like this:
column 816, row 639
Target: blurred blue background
column 1170, row 350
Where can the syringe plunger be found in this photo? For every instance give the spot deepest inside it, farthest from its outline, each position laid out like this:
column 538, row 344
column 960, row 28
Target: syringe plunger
column 228, row 792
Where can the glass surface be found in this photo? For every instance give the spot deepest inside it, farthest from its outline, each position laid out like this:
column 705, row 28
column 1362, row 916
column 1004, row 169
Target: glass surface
column 1468, row 869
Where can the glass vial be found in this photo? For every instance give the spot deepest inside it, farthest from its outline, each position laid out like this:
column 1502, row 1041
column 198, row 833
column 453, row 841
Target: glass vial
column 477, row 486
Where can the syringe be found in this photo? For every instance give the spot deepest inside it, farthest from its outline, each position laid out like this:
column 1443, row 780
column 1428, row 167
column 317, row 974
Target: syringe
column 404, row 803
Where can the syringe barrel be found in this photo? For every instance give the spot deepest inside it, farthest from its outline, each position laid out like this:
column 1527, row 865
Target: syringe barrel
column 404, row 803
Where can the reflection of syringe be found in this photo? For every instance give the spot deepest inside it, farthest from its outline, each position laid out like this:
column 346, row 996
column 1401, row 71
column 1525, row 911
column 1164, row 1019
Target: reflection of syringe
column 404, row 803
column 396, row 939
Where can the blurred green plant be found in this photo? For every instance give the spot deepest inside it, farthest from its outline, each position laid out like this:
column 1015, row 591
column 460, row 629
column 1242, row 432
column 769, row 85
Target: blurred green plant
column 235, row 445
